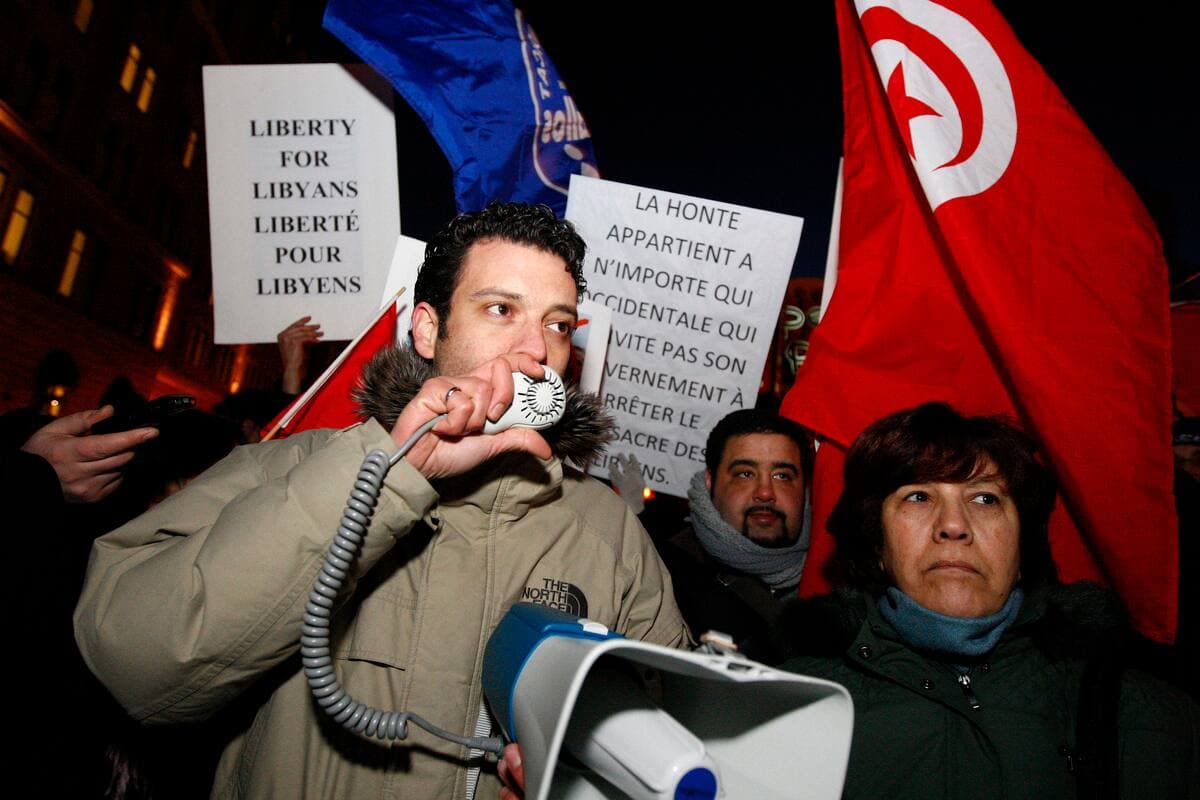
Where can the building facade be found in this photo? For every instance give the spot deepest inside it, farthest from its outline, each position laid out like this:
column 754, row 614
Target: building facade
column 104, row 244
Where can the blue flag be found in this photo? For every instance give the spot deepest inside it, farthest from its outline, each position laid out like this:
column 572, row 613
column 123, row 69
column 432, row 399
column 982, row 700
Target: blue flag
column 475, row 72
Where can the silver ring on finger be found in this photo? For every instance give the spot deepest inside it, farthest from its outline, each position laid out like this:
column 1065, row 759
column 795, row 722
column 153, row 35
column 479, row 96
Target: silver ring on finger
column 450, row 393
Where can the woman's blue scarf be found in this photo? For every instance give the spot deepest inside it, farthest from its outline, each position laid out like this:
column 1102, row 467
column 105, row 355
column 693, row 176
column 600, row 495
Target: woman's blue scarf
column 956, row 637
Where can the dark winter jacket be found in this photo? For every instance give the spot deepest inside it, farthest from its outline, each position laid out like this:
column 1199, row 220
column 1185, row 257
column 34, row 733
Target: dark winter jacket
column 1041, row 716
column 714, row 597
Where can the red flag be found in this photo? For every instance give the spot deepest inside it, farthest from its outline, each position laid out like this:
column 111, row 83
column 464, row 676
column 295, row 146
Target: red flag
column 991, row 255
column 1185, row 341
column 328, row 402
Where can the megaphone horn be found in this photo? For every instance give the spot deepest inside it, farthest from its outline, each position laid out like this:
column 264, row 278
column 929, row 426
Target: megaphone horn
column 723, row 726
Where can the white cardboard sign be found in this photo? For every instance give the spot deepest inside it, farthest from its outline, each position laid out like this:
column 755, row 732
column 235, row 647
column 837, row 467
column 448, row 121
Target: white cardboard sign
column 303, row 199
column 695, row 288
column 591, row 339
column 402, row 274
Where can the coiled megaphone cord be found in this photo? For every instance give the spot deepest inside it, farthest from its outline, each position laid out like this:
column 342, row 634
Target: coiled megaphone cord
column 315, row 651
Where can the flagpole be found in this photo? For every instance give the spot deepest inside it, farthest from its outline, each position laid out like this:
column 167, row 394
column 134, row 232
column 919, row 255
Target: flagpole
column 337, row 362
column 831, row 252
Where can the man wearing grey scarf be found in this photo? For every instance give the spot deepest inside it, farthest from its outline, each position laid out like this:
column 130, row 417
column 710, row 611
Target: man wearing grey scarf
column 737, row 564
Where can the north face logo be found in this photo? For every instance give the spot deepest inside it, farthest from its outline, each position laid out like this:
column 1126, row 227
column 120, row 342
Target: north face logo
column 558, row 594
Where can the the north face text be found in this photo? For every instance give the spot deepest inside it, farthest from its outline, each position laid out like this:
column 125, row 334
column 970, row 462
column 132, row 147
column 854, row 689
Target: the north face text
column 558, row 594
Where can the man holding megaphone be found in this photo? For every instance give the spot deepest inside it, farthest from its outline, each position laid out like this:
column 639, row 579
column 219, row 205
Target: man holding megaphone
column 198, row 604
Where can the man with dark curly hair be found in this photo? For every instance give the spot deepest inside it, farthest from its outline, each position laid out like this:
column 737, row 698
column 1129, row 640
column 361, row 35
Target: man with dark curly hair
column 201, row 600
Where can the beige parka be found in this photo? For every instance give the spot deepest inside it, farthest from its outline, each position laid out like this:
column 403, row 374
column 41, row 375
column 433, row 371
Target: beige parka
column 197, row 604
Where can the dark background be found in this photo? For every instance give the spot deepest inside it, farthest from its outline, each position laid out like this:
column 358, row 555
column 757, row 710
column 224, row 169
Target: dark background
column 743, row 105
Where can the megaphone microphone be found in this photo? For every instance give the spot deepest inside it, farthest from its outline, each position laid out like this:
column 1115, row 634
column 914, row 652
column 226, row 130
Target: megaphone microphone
column 537, row 403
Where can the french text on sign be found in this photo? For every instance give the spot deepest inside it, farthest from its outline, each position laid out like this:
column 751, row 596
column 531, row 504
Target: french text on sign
column 690, row 210
column 695, row 288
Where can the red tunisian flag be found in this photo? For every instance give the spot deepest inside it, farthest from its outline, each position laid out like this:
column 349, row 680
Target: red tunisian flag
column 328, row 402
column 992, row 256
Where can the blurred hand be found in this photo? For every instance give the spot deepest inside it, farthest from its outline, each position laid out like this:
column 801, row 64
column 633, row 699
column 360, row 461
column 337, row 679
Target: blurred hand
column 512, row 773
column 625, row 471
column 89, row 466
column 293, row 350
column 456, row 444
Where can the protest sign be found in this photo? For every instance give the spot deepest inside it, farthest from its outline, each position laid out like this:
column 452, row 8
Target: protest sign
column 303, row 200
column 402, row 275
column 695, row 288
column 589, row 343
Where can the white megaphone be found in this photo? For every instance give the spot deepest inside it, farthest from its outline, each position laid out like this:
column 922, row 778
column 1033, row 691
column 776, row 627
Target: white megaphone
column 720, row 725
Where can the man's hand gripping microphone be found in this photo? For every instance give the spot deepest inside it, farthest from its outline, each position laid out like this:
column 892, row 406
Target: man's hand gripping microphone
column 537, row 404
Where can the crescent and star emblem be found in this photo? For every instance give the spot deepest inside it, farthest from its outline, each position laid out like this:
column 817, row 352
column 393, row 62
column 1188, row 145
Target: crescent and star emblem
column 949, row 94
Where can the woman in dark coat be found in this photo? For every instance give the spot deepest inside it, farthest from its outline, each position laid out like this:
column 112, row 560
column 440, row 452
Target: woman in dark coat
column 974, row 673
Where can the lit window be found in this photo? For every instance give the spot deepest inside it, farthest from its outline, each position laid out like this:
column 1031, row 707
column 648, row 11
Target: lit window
column 147, row 90
column 129, row 73
column 71, row 268
column 17, row 223
column 166, row 310
column 189, row 151
column 238, row 370
column 166, row 307
column 83, row 15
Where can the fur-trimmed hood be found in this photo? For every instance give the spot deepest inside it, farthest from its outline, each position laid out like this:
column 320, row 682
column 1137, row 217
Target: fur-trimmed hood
column 394, row 376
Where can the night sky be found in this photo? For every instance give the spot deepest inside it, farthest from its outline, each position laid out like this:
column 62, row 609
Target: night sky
column 742, row 107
